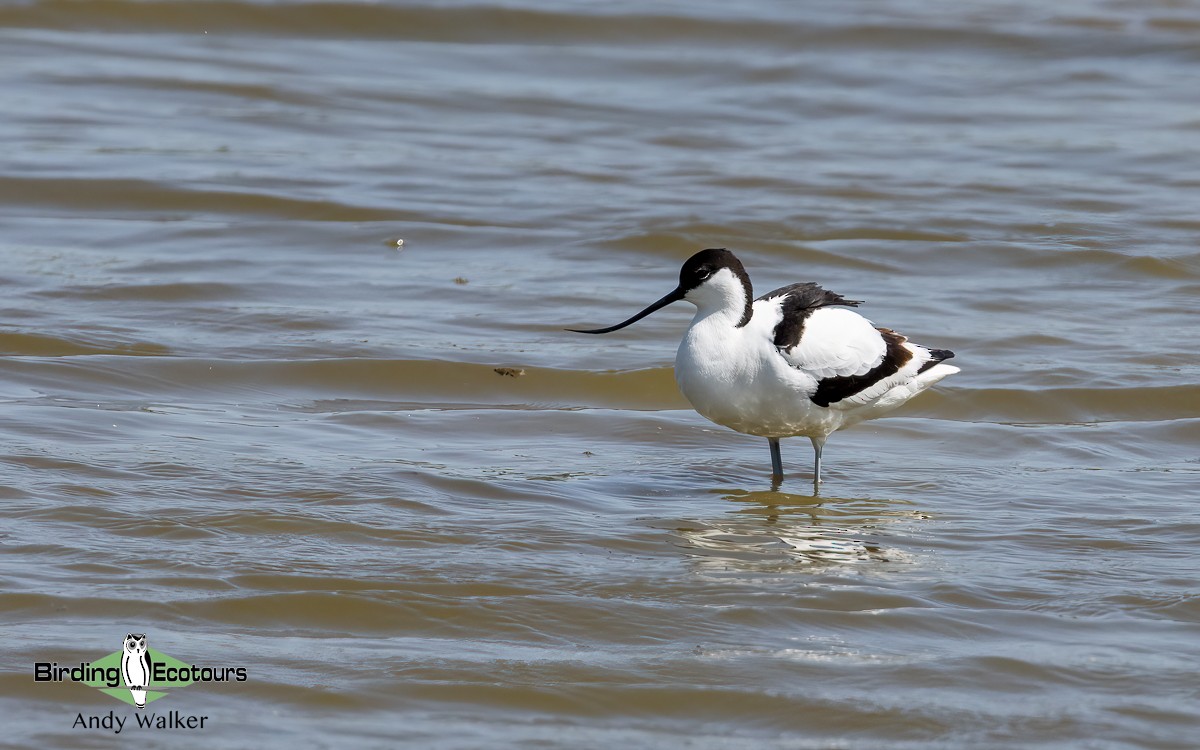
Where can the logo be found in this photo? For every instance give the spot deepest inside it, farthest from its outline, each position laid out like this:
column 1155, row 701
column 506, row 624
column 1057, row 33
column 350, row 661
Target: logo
column 137, row 675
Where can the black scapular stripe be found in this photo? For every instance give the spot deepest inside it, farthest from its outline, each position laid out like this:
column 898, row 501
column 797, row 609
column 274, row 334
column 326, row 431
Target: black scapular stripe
column 799, row 300
column 831, row 390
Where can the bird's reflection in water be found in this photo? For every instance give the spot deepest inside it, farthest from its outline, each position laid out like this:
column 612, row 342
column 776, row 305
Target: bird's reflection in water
column 779, row 532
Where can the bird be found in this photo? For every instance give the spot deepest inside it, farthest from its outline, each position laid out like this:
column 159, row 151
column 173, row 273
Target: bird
column 136, row 667
column 797, row 361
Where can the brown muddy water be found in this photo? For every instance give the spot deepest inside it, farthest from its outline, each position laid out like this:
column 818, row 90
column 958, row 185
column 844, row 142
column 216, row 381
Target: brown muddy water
column 234, row 417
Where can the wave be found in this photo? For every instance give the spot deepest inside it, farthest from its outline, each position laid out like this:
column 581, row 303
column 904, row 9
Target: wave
column 357, row 384
column 479, row 23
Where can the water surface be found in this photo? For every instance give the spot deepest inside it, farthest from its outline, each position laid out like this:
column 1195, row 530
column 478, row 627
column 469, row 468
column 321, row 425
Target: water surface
column 235, row 417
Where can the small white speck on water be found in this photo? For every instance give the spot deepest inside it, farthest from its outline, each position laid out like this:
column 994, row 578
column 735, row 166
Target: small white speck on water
column 399, row 243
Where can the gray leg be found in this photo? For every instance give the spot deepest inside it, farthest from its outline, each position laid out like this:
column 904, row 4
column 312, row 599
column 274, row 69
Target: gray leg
column 818, row 444
column 776, row 460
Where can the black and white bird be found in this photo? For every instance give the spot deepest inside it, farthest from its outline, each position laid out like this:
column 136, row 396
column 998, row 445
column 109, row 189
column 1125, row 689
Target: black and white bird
column 794, row 362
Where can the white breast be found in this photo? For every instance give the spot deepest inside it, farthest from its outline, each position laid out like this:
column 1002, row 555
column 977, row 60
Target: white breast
column 736, row 378
column 135, row 670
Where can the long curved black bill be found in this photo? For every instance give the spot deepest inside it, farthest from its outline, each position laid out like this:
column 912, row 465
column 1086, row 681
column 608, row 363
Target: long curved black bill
column 674, row 296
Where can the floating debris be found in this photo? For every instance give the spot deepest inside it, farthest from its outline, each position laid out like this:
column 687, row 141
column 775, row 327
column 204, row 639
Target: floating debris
column 512, row 372
column 460, row 280
column 399, row 243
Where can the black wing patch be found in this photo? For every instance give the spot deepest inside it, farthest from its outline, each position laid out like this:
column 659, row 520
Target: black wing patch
column 936, row 355
column 832, row 390
column 799, row 300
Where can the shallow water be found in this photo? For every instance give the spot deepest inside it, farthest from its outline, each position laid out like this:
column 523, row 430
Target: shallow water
column 235, row 417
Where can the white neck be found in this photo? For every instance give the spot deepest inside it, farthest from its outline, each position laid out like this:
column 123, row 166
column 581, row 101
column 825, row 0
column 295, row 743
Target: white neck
column 722, row 298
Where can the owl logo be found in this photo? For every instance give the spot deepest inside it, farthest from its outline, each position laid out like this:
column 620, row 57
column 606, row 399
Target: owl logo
column 135, row 667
